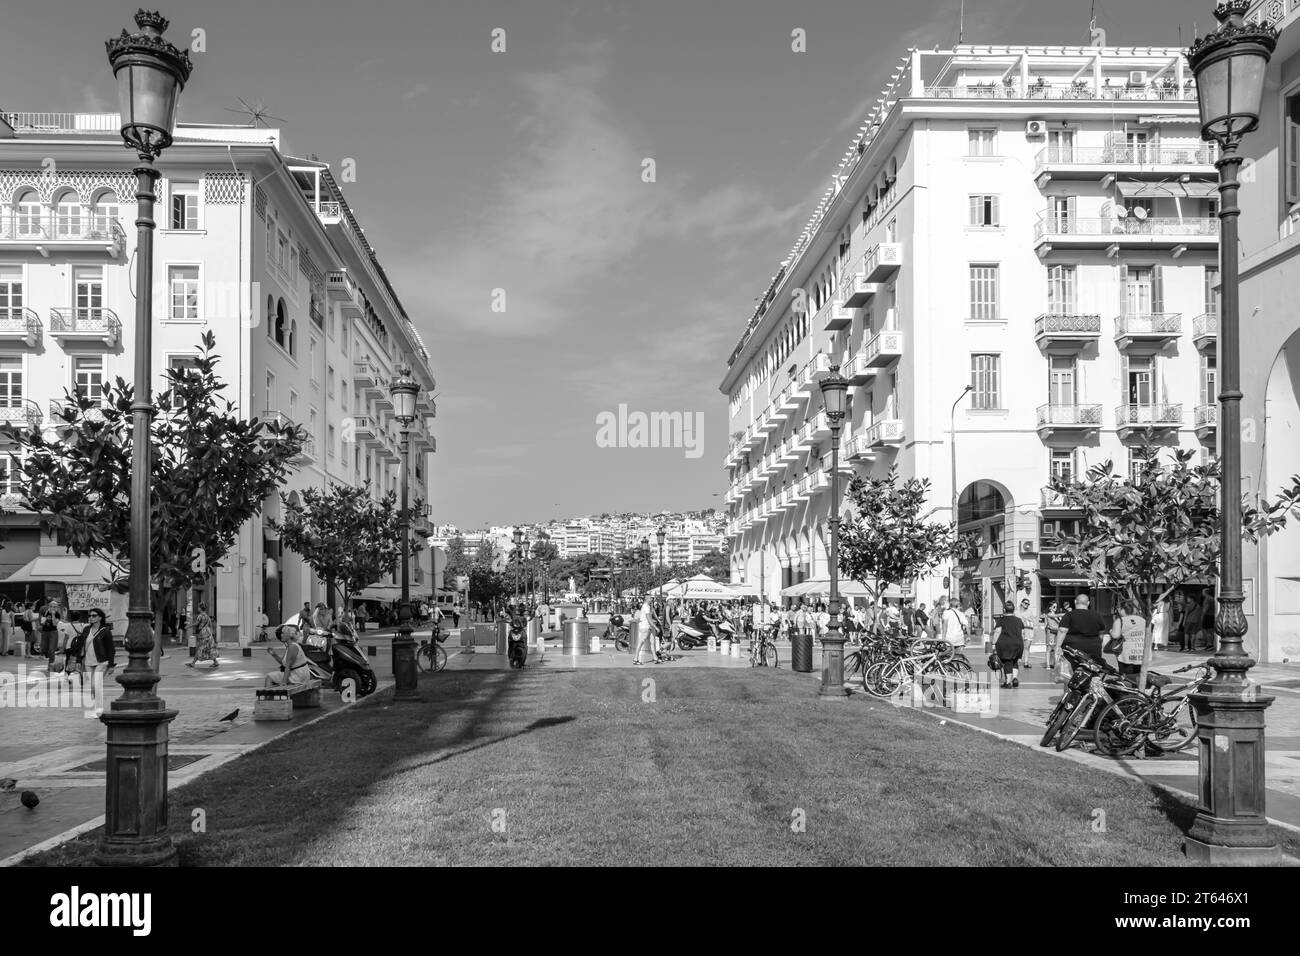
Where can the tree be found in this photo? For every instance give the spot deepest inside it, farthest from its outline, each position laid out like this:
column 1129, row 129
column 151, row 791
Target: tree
column 486, row 553
column 211, row 471
column 715, row 564
column 1150, row 534
column 485, row 585
column 347, row 537
column 889, row 540
column 458, row 561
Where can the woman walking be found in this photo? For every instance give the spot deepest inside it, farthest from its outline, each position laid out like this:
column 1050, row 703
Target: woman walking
column 6, row 625
column 1009, row 644
column 204, row 637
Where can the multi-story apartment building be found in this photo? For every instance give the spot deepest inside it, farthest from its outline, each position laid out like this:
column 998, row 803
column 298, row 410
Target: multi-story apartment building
column 1036, row 223
column 1270, row 336
column 260, row 249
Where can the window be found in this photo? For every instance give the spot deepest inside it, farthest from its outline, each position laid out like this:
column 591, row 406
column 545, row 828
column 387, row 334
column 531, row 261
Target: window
column 67, row 215
column 984, row 292
column 329, row 450
column 280, row 323
column 343, row 337
column 1061, row 380
column 293, row 406
column 281, row 250
column 88, row 377
column 11, row 292
column 270, row 237
column 185, row 206
column 88, row 291
column 1209, row 379
column 11, row 381
column 1143, row 292
column 984, row 210
column 270, row 391
column 311, row 425
column 1137, row 147
column 11, row 475
column 293, row 337
column 184, row 284
column 27, row 214
column 1135, row 464
column 986, row 380
column 995, row 540
column 891, row 230
column 1291, row 150
column 869, row 413
column 1060, row 146
column 104, row 213
column 895, row 401
column 1211, row 290
column 1060, row 290
column 1062, row 465
column 1141, row 380
column 343, row 394
column 329, row 381
column 181, row 363
column 983, row 141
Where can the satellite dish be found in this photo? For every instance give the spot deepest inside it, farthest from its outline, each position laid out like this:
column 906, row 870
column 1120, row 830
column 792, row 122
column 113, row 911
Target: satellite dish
column 1121, row 212
column 1140, row 213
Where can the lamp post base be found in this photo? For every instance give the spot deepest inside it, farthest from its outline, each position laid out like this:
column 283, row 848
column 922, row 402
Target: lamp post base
column 832, row 685
column 135, row 812
column 407, row 685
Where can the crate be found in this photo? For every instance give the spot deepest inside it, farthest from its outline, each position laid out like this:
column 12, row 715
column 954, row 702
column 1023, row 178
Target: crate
column 273, row 703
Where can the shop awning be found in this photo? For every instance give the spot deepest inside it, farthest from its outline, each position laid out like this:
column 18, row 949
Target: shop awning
column 389, row 592
column 1132, row 190
column 64, row 570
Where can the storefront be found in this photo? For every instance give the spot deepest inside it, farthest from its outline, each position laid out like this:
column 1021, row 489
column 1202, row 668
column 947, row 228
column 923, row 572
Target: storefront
column 77, row 584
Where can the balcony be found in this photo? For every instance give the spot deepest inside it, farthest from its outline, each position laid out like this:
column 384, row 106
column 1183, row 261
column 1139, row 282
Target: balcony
column 19, row 414
column 811, row 374
column 855, row 288
column 786, row 404
column 1154, row 329
column 1206, row 419
column 307, row 452
column 858, row 449
column 791, row 450
column 888, row 432
column 789, row 498
column 770, row 422
column 1205, row 332
column 21, row 327
column 833, row 317
column 883, row 261
column 85, row 327
column 364, row 428
column 1061, row 331
column 1052, row 499
column 1075, row 90
column 1145, row 421
column 1077, row 420
column 884, row 349
column 372, row 382
column 50, row 232
column 58, row 409
column 1156, row 162
column 341, row 289
column 1112, row 235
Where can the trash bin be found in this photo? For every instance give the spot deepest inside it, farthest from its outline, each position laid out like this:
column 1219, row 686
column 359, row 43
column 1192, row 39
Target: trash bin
column 503, row 636
column 801, row 648
column 575, row 637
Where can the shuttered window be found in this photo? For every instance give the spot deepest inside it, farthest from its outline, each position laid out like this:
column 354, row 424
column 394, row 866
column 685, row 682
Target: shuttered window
column 984, row 210
column 986, row 380
column 984, row 292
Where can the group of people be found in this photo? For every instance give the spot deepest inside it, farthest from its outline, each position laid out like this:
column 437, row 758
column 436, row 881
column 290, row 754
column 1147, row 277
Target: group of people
column 49, row 631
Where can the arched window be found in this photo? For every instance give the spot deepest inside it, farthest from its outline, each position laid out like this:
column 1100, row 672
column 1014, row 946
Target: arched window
column 27, row 213
column 280, row 323
column 104, row 212
column 67, row 215
column 270, row 317
column 293, row 337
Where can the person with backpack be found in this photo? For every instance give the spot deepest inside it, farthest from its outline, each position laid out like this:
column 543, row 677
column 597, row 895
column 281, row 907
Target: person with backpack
column 49, row 634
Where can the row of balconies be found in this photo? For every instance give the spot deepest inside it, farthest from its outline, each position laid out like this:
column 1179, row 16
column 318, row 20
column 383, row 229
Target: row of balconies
column 50, row 232
column 1113, row 234
column 1153, row 160
column 68, row 326
column 1131, row 420
column 1057, row 330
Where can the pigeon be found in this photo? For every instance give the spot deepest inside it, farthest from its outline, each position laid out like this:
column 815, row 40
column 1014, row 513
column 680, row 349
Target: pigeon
column 30, row 799
column 7, row 784
column 230, row 717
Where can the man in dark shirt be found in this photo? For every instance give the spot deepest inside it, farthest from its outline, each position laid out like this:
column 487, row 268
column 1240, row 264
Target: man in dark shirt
column 1081, row 628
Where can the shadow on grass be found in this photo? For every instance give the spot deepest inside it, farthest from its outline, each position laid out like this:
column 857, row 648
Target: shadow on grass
column 541, row 724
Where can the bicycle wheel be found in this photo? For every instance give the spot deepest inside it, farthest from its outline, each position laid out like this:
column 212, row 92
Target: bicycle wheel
column 882, row 679
column 1121, row 727
column 1176, row 725
column 1058, row 719
column 1077, row 720
column 440, row 662
column 853, row 664
column 423, row 662
column 769, row 654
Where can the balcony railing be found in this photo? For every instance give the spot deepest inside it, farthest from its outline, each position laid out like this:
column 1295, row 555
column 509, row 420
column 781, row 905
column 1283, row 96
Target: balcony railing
column 1205, row 329
column 91, row 323
column 1119, row 230
column 1078, row 90
column 884, row 348
column 1206, row 419
column 1158, row 415
column 1053, row 417
column 54, row 227
column 882, row 261
column 17, row 324
column 21, row 413
column 1151, row 327
column 1126, row 156
column 1066, row 325
column 888, row 431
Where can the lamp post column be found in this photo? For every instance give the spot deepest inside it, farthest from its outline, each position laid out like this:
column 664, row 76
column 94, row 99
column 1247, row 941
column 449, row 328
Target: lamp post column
column 832, row 686
column 407, row 681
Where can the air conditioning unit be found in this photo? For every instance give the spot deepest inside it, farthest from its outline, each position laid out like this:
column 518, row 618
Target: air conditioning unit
column 1137, row 78
column 1036, row 128
column 1028, row 548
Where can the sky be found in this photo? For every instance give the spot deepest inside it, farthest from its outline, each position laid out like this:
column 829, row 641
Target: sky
column 580, row 222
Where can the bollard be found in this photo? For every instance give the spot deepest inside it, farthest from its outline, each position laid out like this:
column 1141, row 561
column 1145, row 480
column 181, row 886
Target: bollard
column 503, row 636
column 725, row 647
column 575, row 637
column 735, row 648
column 713, row 644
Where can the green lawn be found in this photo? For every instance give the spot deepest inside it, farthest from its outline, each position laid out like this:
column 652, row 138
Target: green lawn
column 574, row 768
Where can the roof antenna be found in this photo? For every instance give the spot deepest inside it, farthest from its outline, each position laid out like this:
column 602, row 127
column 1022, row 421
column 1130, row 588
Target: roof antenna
column 256, row 112
column 961, row 23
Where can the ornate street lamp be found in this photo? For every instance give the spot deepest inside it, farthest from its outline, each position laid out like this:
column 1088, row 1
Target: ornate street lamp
column 834, row 395
column 404, row 391
column 545, row 540
column 660, row 535
column 150, row 75
column 645, row 558
column 1230, row 826
column 519, row 540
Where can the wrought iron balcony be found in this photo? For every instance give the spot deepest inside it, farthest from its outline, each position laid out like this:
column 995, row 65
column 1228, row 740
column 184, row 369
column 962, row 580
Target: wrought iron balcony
column 1053, row 419
column 20, row 327
column 1205, row 331
column 1066, row 330
column 1076, row 161
column 1064, row 90
column 20, row 413
column 1147, row 419
column 44, row 232
column 1206, row 421
column 85, row 326
column 1106, row 231
column 1153, row 328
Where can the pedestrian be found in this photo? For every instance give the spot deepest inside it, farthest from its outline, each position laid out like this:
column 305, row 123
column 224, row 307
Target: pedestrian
column 6, row 625
column 96, row 647
column 305, row 614
column 203, row 634
column 49, row 634
column 922, row 619
column 1128, row 639
column 1030, row 621
column 263, row 623
column 893, row 615
column 25, row 626
column 1193, row 621
column 1081, row 629
column 644, row 631
column 363, row 615
column 822, row 621
column 1207, row 638
column 1009, row 644
column 909, row 615
column 320, row 618
column 952, row 624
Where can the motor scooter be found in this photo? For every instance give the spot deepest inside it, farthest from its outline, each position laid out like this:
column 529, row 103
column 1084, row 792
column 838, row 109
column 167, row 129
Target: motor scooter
column 620, row 632
column 334, row 657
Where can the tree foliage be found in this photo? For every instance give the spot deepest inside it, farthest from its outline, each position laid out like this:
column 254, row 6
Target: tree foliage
column 458, row 562
column 347, row 537
column 888, row 540
column 210, row 472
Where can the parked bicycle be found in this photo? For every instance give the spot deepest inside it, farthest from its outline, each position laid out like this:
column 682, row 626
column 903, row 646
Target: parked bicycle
column 1161, row 720
column 429, row 656
column 762, row 649
column 923, row 658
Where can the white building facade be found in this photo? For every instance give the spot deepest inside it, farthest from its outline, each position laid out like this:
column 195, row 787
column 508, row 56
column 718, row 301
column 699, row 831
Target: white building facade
column 1034, row 222
column 256, row 247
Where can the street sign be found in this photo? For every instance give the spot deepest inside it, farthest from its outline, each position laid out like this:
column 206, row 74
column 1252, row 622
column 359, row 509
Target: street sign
column 85, row 597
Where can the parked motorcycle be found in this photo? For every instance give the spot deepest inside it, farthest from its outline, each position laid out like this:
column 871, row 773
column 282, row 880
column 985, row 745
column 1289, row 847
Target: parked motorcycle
column 620, row 632
column 517, row 648
column 334, row 657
